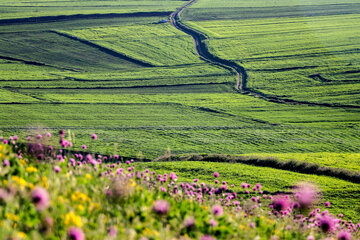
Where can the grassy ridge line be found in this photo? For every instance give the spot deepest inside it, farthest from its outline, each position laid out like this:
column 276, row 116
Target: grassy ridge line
column 291, row 165
column 47, row 19
column 241, row 85
column 103, row 49
column 35, row 63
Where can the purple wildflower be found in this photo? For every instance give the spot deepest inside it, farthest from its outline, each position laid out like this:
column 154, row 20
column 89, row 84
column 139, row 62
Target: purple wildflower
column 48, row 134
column 213, row 223
column 216, row 174
column 344, row 235
column 327, row 204
column 161, row 207
column 217, row 210
column 57, row 169
column 75, row 233
column 40, row 197
column 207, row 237
column 189, row 222
column 326, row 224
column 83, row 146
column 6, row 163
column 94, row 136
column 281, row 203
column 113, row 231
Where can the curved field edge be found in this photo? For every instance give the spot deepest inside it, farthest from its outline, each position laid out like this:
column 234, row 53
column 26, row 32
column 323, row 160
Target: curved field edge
column 343, row 195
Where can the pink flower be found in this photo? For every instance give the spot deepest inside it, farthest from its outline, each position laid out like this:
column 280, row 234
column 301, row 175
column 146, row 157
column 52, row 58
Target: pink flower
column 48, row 134
column 40, row 197
column 306, row 195
column 213, row 223
column 281, row 203
column 6, row 163
column 94, row 136
column 57, row 169
column 75, row 233
column 83, row 146
column 217, row 210
column 344, row 235
column 189, row 222
column 326, row 224
column 39, row 136
column 207, row 237
column 113, row 231
column 216, row 174
column 327, row 204
column 161, row 207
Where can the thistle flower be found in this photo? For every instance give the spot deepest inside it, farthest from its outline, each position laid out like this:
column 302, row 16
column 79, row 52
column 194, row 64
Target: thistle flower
column 113, row 231
column 216, row 174
column 75, row 233
column 83, row 146
column 57, row 169
column 94, row 136
column 326, row 224
column 344, row 235
column 161, row 207
column 281, row 203
column 48, row 134
column 6, row 163
column 327, row 204
column 306, row 195
column 189, row 222
column 40, row 197
column 217, row 210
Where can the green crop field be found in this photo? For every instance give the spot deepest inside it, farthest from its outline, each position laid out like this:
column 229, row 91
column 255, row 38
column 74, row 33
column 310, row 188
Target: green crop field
column 141, row 86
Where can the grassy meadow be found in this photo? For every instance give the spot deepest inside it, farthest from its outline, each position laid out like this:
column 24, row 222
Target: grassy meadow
column 142, row 88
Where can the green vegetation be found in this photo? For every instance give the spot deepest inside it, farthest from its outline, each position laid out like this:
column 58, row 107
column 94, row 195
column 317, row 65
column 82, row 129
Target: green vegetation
column 21, row 9
column 309, row 58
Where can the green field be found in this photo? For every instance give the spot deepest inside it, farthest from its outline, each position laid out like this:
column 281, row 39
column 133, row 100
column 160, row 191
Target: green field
column 143, row 89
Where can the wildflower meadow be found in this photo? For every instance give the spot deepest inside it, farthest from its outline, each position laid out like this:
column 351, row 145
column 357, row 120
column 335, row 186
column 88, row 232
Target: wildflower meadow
column 54, row 192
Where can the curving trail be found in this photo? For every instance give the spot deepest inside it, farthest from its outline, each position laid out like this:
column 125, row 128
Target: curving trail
column 241, row 75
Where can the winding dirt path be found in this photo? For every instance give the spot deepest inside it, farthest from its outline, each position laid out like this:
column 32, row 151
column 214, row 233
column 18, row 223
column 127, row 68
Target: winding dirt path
column 241, row 75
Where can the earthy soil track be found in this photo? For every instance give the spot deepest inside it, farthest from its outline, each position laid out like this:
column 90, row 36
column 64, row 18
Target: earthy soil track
column 204, row 53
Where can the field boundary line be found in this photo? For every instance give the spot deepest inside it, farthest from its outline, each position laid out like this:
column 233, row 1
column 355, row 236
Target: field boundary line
column 103, row 49
column 241, row 74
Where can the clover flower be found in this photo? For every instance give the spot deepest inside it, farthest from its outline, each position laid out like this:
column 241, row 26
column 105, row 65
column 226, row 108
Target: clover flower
column 161, row 207
column 75, row 233
column 40, row 197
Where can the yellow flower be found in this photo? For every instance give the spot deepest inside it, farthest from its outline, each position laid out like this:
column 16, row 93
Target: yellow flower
column 31, row 169
column 80, row 207
column 12, row 217
column 21, row 182
column 78, row 196
column 22, row 162
column 132, row 183
column 1, row 147
column 31, row 186
column 93, row 206
column 21, row 235
column 5, row 182
column 44, row 183
column 61, row 199
column 88, row 176
column 72, row 220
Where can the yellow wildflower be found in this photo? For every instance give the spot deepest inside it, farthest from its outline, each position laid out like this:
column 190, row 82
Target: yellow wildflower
column 80, row 207
column 31, row 186
column 93, row 206
column 21, row 182
column 21, row 235
column 5, row 182
column 88, row 176
column 22, row 162
column 31, row 169
column 132, row 183
column 72, row 220
column 12, row 217
column 78, row 196
column 44, row 183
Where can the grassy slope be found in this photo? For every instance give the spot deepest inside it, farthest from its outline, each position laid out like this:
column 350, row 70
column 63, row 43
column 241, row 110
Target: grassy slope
column 284, row 56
